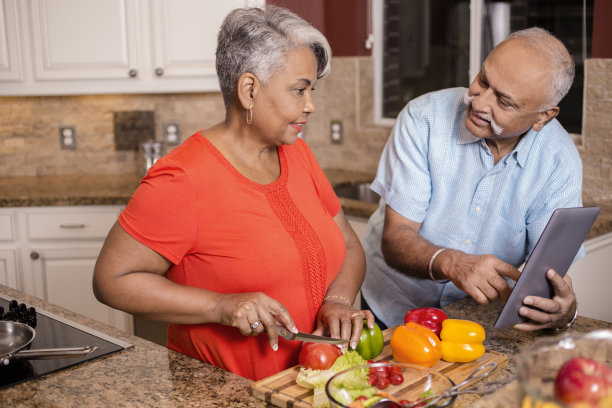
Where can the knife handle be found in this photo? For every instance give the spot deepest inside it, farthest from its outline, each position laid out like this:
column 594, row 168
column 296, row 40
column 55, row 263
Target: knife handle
column 284, row 333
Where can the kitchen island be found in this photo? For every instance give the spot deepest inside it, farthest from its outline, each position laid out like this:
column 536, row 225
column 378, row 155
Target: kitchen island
column 149, row 375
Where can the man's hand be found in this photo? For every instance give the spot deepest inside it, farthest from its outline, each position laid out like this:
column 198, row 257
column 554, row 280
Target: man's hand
column 480, row 276
column 545, row 313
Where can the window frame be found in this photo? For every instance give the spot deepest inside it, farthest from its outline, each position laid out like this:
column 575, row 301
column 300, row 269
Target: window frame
column 475, row 50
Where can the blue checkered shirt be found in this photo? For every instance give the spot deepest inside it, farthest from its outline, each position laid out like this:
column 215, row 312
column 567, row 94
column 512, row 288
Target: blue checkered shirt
column 435, row 172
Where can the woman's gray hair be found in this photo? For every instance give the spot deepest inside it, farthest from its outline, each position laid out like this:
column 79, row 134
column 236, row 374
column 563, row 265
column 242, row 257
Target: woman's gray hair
column 560, row 59
column 256, row 40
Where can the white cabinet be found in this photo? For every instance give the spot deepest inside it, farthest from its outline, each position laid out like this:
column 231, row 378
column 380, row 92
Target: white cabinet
column 82, row 39
column 10, row 61
column 50, row 47
column 8, row 250
column 592, row 278
column 8, row 267
column 58, row 248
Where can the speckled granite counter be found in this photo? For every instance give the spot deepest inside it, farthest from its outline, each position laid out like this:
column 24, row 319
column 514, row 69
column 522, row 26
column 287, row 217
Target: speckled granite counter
column 150, row 375
column 507, row 341
column 117, row 190
column 147, row 375
column 67, row 190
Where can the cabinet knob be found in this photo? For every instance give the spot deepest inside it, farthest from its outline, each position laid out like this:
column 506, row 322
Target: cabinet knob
column 34, row 255
column 159, row 71
column 133, row 73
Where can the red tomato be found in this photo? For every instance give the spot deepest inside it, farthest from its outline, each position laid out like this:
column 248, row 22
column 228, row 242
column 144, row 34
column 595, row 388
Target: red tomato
column 382, row 383
column 318, row 356
column 396, row 378
column 372, row 379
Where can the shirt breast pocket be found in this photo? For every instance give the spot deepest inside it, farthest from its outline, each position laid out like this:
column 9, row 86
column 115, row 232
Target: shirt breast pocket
column 511, row 242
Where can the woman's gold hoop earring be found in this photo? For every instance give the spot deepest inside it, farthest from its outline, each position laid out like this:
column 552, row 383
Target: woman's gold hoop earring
column 249, row 116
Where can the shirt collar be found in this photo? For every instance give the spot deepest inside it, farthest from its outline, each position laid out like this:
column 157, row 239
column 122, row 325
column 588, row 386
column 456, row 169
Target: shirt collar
column 520, row 151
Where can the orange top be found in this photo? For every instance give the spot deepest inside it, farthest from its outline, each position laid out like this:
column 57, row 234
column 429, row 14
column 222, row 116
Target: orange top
column 226, row 233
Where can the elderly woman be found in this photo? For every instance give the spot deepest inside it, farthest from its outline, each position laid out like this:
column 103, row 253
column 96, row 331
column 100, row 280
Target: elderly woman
column 237, row 231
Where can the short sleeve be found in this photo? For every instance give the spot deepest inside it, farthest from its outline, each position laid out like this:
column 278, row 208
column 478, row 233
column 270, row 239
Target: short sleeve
column 162, row 212
column 403, row 178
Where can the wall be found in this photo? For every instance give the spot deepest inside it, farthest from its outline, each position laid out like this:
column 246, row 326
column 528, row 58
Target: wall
column 29, row 130
column 29, row 126
column 602, row 29
column 345, row 23
column 29, row 135
column 596, row 150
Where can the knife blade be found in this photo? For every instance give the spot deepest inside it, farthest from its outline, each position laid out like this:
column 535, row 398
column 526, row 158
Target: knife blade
column 312, row 338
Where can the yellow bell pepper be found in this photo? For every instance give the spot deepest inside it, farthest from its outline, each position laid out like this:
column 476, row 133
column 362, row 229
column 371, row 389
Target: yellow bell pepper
column 461, row 340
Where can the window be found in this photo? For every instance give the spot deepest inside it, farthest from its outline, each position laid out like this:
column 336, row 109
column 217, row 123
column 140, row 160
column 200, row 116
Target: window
column 426, row 45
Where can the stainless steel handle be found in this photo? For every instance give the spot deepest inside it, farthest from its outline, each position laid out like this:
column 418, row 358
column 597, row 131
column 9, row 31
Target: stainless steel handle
column 159, row 71
column 56, row 352
column 133, row 73
column 72, row 226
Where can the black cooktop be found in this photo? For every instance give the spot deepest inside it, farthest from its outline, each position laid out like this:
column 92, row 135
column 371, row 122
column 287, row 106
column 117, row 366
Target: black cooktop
column 53, row 331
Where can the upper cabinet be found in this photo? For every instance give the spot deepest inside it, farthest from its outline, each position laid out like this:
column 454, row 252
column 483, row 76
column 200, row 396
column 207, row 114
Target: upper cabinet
column 10, row 68
column 59, row 47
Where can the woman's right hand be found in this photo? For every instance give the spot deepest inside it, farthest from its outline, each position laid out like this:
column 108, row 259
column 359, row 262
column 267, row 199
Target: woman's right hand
column 254, row 312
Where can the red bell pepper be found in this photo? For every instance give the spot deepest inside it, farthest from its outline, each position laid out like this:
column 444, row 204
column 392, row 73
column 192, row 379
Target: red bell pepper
column 429, row 317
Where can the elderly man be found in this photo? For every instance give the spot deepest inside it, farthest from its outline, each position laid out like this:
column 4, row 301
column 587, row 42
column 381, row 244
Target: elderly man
column 469, row 180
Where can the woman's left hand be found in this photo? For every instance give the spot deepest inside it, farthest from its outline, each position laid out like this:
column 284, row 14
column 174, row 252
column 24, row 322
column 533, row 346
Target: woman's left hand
column 339, row 320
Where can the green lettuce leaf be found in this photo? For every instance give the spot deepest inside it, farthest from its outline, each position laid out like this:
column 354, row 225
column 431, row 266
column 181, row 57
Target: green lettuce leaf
column 353, row 384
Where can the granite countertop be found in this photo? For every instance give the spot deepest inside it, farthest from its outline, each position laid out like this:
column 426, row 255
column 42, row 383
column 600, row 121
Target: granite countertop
column 117, row 190
column 149, row 375
column 508, row 341
column 67, row 190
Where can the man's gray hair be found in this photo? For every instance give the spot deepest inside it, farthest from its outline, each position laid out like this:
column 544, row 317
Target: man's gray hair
column 256, row 40
column 562, row 63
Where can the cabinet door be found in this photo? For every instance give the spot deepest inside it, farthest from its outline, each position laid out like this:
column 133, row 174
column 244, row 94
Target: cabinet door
column 63, row 277
column 84, row 39
column 184, row 34
column 8, row 267
column 10, row 63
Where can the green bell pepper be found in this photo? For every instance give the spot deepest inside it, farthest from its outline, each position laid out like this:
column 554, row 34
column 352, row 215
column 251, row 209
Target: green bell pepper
column 371, row 342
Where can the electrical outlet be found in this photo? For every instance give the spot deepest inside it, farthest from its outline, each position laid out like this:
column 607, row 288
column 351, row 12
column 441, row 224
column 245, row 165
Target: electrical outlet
column 172, row 133
column 68, row 137
column 336, row 131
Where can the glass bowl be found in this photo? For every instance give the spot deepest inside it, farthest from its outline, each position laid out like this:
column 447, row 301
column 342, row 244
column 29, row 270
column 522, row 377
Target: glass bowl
column 345, row 386
column 537, row 365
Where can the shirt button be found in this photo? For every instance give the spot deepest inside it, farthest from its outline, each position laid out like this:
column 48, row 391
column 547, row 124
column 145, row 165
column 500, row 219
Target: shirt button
column 477, row 209
column 467, row 242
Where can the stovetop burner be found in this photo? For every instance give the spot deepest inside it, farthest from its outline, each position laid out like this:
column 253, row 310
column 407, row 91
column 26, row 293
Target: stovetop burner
column 52, row 331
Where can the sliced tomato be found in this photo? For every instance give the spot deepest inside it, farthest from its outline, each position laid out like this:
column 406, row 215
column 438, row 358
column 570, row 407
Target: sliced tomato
column 318, row 356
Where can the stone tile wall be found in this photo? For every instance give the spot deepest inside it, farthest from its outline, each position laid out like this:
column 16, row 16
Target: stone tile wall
column 596, row 149
column 29, row 126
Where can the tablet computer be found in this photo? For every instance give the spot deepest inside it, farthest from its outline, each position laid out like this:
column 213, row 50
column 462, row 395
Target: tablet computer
column 556, row 249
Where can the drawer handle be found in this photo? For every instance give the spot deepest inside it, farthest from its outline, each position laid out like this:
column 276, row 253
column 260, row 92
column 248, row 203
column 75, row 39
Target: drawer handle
column 72, row 226
column 34, row 255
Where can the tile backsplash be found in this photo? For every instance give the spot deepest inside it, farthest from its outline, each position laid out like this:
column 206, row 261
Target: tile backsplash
column 29, row 126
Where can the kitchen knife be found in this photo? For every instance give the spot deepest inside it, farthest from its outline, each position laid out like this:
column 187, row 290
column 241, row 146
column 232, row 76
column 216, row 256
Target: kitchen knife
column 287, row 335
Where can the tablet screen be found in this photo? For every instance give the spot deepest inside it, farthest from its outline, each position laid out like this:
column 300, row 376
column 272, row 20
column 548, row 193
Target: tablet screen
column 556, row 249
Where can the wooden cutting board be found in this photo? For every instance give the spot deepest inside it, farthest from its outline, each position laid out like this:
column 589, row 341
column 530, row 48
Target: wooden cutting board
column 282, row 391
